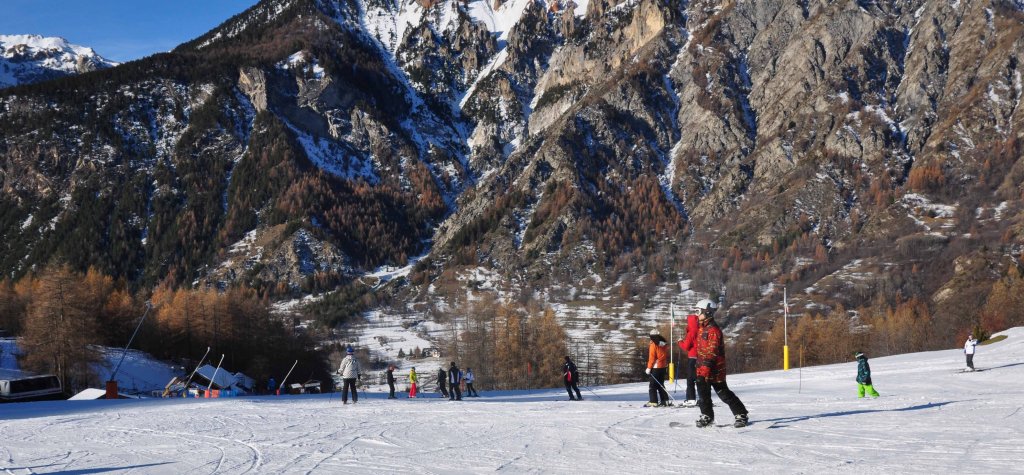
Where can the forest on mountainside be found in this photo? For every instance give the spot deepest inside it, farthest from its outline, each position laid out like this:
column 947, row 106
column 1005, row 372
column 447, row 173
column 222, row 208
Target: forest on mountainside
column 61, row 316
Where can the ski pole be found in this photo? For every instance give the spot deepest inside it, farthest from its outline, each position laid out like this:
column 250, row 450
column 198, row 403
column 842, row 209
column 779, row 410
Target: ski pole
column 591, row 391
column 662, row 387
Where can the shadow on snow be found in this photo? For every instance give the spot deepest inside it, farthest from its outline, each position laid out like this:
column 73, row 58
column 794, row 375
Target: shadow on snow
column 782, row 422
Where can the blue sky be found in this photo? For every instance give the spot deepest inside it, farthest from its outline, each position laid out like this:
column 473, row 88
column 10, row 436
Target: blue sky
column 119, row 30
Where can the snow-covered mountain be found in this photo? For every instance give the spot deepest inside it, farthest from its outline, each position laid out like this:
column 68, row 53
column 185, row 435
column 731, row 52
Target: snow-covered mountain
column 599, row 152
column 26, row 59
column 929, row 419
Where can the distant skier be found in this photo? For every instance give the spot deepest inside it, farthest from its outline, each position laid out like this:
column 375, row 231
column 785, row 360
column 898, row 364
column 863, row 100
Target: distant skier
column 689, row 345
column 413, row 379
column 470, row 390
column 864, row 377
column 349, row 371
column 271, row 385
column 571, row 377
column 391, row 381
column 454, row 378
column 657, row 370
column 711, row 369
column 442, row 377
column 969, row 348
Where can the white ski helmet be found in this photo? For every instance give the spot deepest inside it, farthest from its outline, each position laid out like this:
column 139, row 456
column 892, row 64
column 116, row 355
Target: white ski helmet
column 706, row 305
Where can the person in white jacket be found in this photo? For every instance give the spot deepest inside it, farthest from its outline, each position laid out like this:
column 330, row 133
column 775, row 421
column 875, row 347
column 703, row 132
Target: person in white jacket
column 468, row 378
column 349, row 371
column 969, row 348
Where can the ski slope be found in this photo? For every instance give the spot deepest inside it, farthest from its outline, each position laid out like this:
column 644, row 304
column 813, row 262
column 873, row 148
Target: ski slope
column 930, row 419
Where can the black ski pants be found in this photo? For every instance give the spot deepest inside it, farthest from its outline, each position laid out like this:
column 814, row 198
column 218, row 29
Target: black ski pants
column 391, row 389
column 455, row 392
column 350, row 383
column 691, row 379
column 471, row 391
column 970, row 361
column 656, row 389
column 570, row 386
column 441, row 385
column 724, row 393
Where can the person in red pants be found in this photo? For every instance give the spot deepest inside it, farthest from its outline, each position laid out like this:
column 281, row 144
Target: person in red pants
column 412, row 382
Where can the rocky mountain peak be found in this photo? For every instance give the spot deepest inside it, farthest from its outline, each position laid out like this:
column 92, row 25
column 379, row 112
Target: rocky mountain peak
column 743, row 147
column 26, row 59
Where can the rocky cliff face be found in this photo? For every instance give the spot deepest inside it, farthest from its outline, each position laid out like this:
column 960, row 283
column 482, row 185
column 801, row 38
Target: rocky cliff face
column 746, row 145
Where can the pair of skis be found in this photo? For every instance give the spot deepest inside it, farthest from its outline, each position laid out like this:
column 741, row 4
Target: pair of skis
column 678, row 425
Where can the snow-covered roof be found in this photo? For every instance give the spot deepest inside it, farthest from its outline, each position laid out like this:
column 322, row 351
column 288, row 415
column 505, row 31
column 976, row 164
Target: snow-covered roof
column 92, row 394
column 224, row 378
column 13, row 374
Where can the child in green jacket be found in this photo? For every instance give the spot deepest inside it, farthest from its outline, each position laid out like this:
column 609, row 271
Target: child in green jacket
column 864, row 377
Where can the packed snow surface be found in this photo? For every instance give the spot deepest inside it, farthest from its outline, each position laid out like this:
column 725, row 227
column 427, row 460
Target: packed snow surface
column 930, row 419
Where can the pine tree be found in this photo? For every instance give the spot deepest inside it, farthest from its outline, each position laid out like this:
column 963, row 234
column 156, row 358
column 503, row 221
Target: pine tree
column 1005, row 303
column 59, row 329
column 548, row 341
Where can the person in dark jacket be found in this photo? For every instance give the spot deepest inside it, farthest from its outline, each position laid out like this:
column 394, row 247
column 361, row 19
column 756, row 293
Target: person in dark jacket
column 454, row 379
column 571, row 377
column 442, row 377
column 864, row 377
column 391, row 382
column 711, row 369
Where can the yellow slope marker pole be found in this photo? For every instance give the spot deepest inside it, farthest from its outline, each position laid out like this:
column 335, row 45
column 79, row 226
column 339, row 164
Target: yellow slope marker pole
column 671, row 335
column 785, row 331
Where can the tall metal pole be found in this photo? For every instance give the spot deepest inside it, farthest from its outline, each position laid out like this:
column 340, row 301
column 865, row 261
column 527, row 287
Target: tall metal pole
column 283, row 381
column 214, row 377
column 112, row 382
column 785, row 330
column 130, row 340
column 189, row 380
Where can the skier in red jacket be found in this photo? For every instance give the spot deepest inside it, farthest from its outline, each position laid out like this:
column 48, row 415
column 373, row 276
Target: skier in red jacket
column 689, row 345
column 711, row 369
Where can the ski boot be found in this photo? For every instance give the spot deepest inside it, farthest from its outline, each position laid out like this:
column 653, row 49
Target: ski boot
column 689, row 403
column 705, row 421
column 741, row 421
column 651, row 404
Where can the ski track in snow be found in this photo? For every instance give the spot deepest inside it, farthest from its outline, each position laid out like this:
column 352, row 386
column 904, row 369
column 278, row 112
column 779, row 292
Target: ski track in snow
column 929, row 420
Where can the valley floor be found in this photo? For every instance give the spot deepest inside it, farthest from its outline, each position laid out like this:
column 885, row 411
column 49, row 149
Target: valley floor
column 929, row 419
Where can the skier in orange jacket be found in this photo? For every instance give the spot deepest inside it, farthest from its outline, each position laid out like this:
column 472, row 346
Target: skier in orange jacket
column 657, row 370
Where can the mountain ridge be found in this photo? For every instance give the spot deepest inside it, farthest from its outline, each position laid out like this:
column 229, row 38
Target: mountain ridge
column 744, row 147
column 26, row 59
